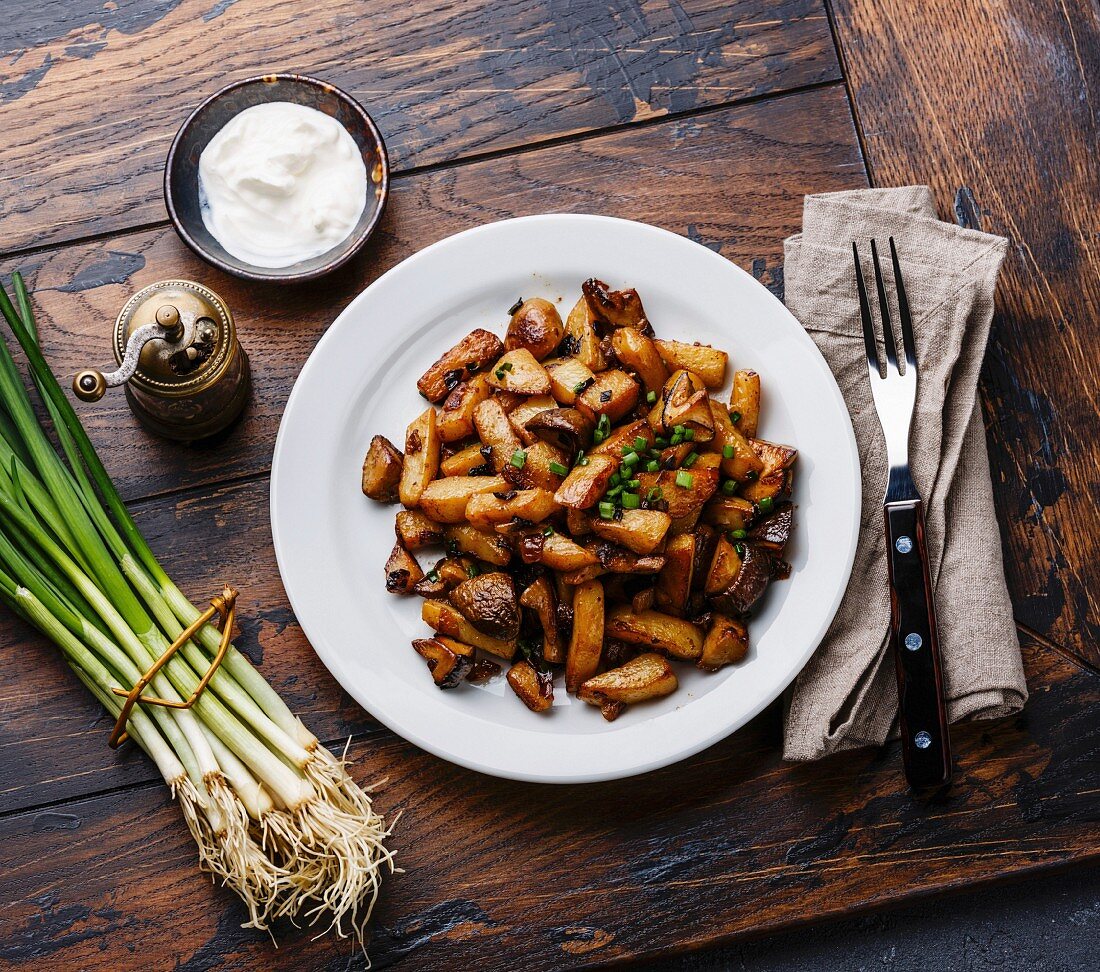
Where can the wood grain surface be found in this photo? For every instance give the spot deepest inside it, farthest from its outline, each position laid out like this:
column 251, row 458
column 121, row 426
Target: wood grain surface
column 732, row 179
column 93, row 92
column 1003, row 99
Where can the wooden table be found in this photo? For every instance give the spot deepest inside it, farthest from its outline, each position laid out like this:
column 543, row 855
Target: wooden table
column 709, row 117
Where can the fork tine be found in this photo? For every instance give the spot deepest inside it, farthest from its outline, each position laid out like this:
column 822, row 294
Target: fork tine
column 884, row 311
column 865, row 316
column 903, row 310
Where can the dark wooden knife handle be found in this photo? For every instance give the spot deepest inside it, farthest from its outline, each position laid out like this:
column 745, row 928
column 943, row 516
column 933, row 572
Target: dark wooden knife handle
column 926, row 744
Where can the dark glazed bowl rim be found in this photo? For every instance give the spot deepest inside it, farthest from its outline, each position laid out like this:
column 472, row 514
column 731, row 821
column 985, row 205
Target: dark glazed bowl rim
column 342, row 253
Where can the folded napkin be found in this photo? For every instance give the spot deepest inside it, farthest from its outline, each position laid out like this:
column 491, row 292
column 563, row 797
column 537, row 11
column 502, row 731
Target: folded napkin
column 847, row 695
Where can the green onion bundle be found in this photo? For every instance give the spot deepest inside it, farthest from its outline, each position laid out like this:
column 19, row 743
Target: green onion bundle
column 276, row 817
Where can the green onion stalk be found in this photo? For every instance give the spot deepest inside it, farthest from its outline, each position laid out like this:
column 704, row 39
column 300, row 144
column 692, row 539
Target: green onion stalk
column 275, row 815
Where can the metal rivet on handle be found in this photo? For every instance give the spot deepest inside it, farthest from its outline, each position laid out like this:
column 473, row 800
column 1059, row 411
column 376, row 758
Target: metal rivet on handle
column 922, row 739
column 913, row 641
column 904, row 544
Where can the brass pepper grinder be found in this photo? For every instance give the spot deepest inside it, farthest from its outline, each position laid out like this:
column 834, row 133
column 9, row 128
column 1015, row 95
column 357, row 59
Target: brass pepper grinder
column 186, row 375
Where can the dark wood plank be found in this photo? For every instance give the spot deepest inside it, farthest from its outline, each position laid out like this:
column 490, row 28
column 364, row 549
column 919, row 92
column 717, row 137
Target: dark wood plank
column 94, row 92
column 1003, row 99
column 523, row 877
column 732, row 179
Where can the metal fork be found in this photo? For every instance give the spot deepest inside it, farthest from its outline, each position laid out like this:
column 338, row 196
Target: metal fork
column 926, row 746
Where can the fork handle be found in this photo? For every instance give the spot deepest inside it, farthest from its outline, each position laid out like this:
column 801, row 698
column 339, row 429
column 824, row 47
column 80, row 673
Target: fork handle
column 926, row 744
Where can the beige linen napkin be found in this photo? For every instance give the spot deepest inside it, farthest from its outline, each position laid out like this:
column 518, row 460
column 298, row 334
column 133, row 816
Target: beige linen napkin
column 847, row 695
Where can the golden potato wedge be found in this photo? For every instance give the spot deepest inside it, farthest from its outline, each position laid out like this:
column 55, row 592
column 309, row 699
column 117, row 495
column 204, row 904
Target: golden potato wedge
column 727, row 512
column 743, row 463
column 556, row 551
column 489, row 602
column 472, row 354
column 683, row 403
column 685, row 524
column 700, row 359
column 774, row 481
column 448, row 620
column 421, row 457
column 639, row 354
column 653, row 629
column 726, row 642
column 581, row 341
column 745, row 402
column 623, row 435
column 586, row 644
column 620, row 308
column 536, row 471
column 486, row 510
column 402, row 571
column 674, row 582
column 724, row 567
column 536, row 325
column 684, row 490
column 527, row 410
column 586, row 483
column 619, row 560
column 496, row 432
column 519, row 372
column 577, row 522
column 470, row 461
column 415, row 530
column 641, row 531
column 382, row 470
column 456, row 415
column 542, row 598
column 534, row 690
column 444, row 500
column 646, row 676
column 614, row 394
column 490, row 547
column 568, row 378
column 448, row 660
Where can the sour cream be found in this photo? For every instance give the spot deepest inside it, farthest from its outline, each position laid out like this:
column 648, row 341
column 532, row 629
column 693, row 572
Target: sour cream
column 281, row 183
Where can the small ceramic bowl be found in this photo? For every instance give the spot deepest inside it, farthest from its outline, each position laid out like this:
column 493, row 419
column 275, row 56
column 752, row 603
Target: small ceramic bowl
column 181, row 171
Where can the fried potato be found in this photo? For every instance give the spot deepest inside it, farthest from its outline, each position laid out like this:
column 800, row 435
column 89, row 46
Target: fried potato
column 585, row 484
column 745, row 401
column 456, row 415
column 700, row 359
column 727, row 512
column 534, row 692
column 472, row 354
column 415, row 530
column 421, row 457
column 496, row 432
column 556, row 551
column 486, row 510
column 382, row 470
column 518, row 371
column 640, row 531
column 724, row 567
column 447, row 620
column 535, row 473
column 568, row 378
column 639, row 354
column 743, row 464
column 586, row 644
column 470, row 461
column 726, row 642
column 624, row 435
column 527, row 410
column 674, row 582
column 614, row 394
column 652, row 629
column 581, row 341
column 647, row 676
column 684, row 490
column 536, row 325
column 444, row 500
column 490, row 547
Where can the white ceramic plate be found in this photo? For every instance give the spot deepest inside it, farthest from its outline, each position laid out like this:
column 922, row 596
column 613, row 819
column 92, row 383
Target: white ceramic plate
column 332, row 542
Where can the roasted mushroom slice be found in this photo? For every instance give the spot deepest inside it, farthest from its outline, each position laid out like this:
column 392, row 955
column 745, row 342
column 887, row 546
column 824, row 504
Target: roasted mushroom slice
column 541, row 598
column 567, row 428
column 536, row 325
column 449, row 661
column 534, row 688
column 449, row 621
column 758, row 566
column 775, row 479
column 402, row 571
column 489, row 603
column 649, row 676
column 382, row 470
column 621, row 308
column 775, row 531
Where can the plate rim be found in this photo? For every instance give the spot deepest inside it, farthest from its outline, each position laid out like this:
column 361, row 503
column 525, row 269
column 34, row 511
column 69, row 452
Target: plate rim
column 645, row 766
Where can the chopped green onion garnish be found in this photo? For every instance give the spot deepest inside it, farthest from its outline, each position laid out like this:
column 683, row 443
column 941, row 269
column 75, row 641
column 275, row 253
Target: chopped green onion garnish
column 607, row 510
column 583, row 461
column 679, row 429
column 640, row 444
column 651, row 398
column 604, row 424
column 740, row 548
column 654, row 494
column 727, row 452
column 661, row 442
column 686, row 480
column 613, row 492
column 689, row 434
column 633, row 483
column 729, row 487
column 519, row 457
column 766, row 504
column 548, row 531
column 626, row 450
column 558, row 469
column 738, row 534
column 472, row 570
column 615, row 479
column 433, row 575
column 630, row 460
column 631, row 501
column 499, row 373
column 690, row 460
column 652, row 466
column 578, row 387
column 735, row 417
column 676, row 439
column 507, row 366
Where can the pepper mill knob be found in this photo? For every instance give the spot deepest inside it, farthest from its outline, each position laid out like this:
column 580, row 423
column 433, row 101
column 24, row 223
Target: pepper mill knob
column 89, row 385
